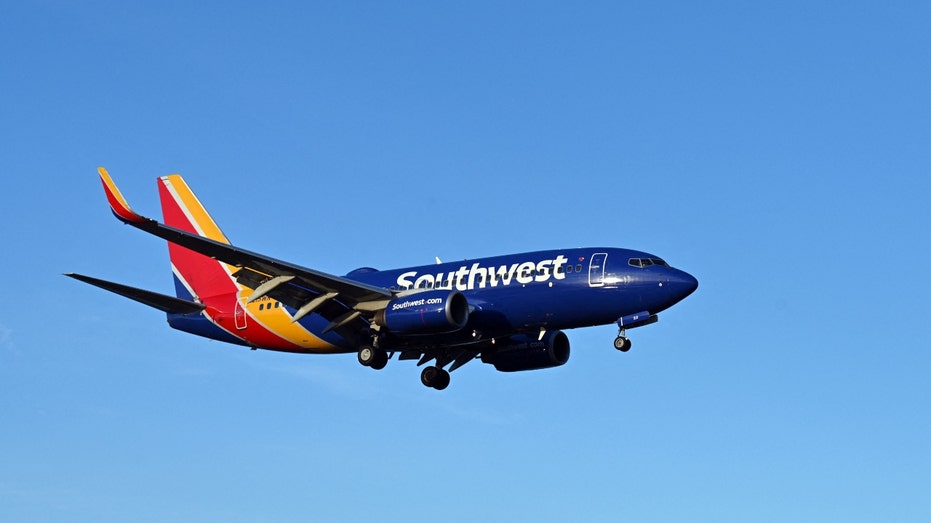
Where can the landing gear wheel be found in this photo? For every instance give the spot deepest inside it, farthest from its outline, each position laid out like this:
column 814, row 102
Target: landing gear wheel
column 367, row 355
column 371, row 357
column 435, row 377
column 428, row 376
column 622, row 344
column 381, row 359
column 442, row 380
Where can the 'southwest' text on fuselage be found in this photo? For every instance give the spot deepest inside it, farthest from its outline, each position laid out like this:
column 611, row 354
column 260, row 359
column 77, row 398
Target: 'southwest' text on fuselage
column 478, row 277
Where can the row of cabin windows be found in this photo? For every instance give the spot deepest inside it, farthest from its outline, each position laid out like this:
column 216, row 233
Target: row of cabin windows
column 263, row 306
column 426, row 284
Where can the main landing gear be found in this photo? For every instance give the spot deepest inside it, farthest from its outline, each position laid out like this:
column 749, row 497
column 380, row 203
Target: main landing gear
column 435, row 377
column 371, row 357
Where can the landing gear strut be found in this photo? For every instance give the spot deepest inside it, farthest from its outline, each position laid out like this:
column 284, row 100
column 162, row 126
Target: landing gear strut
column 435, row 377
column 371, row 357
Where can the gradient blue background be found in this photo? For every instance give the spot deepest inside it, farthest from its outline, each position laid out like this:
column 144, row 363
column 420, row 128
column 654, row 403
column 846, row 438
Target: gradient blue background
column 780, row 154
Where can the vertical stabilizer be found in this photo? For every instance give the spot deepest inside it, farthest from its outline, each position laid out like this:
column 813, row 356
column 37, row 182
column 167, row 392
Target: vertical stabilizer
column 197, row 276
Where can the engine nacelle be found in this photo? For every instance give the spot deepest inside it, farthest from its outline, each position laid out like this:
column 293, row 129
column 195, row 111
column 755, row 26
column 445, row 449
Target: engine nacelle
column 527, row 353
column 428, row 312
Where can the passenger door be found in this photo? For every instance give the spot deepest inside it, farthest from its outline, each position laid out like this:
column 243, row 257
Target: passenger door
column 596, row 269
column 239, row 314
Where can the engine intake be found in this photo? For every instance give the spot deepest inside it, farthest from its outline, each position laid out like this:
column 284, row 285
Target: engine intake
column 521, row 352
column 428, row 312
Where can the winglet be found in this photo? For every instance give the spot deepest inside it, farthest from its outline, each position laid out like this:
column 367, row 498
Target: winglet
column 117, row 203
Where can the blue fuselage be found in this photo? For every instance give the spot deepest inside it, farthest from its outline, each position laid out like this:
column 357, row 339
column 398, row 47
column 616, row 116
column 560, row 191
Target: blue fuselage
column 507, row 295
column 560, row 289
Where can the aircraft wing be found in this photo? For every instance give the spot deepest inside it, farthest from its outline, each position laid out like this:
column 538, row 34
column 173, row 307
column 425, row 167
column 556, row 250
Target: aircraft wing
column 257, row 271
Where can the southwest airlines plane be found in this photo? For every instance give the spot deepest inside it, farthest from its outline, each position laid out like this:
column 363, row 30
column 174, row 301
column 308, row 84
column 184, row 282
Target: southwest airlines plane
column 508, row 311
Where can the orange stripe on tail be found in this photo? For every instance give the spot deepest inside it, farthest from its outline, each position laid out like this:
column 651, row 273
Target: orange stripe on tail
column 206, row 278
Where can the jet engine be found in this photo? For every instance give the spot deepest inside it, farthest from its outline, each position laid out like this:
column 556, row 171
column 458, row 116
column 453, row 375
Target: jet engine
column 528, row 353
column 428, row 312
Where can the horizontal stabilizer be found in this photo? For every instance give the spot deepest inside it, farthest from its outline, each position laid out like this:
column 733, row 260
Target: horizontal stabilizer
column 162, row 302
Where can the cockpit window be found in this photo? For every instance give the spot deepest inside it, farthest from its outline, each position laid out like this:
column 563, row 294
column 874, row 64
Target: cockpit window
column 646, row 262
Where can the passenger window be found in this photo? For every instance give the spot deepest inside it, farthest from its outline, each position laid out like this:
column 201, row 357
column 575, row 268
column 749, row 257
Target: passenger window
column 568, row 269
column 578, row 268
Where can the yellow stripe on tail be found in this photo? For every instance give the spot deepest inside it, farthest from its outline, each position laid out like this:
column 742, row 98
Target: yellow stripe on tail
column 192, row 208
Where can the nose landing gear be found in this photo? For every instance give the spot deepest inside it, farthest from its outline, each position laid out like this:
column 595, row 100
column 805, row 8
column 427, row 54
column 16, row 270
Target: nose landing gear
column 622, row 342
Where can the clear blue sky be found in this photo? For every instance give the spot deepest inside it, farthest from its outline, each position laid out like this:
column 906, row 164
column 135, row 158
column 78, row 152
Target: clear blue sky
column 780, row 154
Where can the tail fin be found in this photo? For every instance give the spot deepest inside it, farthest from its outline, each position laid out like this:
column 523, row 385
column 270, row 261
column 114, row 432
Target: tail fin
column 196, row 276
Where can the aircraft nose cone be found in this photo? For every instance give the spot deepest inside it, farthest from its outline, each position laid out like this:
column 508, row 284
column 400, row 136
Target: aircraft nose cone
column 682, row 284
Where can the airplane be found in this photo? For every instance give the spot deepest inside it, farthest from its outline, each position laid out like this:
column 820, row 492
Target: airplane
column 507, row 311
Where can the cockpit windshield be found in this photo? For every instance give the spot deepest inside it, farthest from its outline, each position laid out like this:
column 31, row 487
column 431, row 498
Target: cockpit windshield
column 646, row 262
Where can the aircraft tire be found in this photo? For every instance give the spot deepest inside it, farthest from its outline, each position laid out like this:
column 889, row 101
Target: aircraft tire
column 428, row 376
column 367, row 355
column 442, row 380
column 622, row 344
column 381, row 359
column 434, row 377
